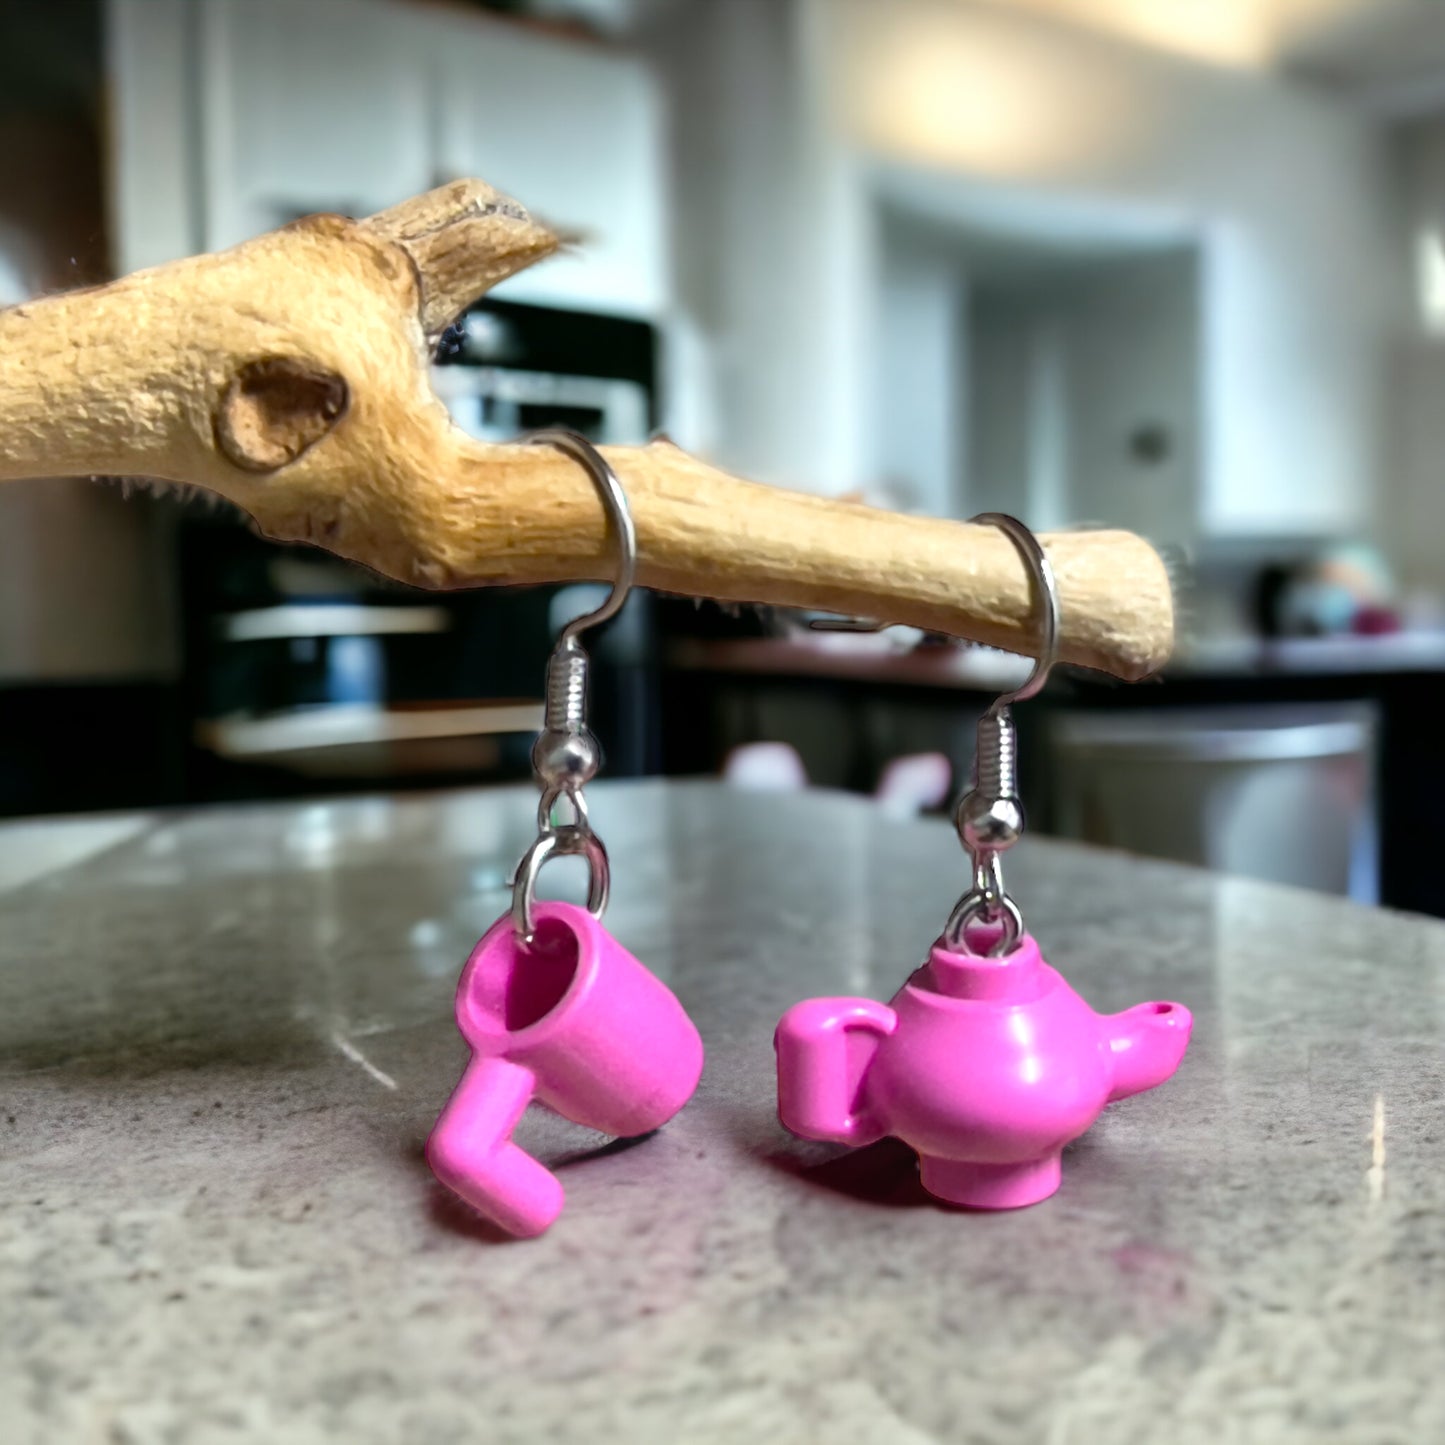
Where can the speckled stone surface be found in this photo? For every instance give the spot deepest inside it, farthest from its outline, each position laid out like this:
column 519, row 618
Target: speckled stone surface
column 225, row 1035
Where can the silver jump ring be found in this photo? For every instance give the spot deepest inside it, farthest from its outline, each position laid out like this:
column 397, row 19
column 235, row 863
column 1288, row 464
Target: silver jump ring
column 614, row 499
column 553, row 795
column 1046, row 587
column 988, row 878
column 562, row 842
column 977, row 906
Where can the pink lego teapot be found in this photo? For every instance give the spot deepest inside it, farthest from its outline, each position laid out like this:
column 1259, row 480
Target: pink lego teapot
column 985, row 1066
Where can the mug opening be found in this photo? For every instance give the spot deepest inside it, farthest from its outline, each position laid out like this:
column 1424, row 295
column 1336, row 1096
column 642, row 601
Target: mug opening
column 542, row 975
column 507, row 988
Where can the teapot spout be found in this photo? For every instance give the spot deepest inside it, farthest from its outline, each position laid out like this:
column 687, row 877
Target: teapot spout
column 1148, row 1042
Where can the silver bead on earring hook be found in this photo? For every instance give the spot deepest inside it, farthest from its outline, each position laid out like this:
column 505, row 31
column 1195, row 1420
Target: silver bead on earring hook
column 990, row 817
column 566, row 754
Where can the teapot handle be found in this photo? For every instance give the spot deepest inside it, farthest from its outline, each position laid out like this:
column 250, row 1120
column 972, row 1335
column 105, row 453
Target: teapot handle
column 825, row 1047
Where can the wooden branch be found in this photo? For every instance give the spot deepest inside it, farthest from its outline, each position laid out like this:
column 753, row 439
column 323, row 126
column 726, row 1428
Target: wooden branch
column 290, row 375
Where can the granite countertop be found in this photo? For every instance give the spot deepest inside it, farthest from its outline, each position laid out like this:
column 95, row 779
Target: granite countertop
column 226, row 1034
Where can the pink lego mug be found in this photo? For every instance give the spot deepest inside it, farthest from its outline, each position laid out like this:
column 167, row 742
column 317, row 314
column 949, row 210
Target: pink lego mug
column 986, row 1067
column 573, row 1021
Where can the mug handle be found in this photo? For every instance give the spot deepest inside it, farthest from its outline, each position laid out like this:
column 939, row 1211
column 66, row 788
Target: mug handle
column 472, row 1153
column 825, row 1047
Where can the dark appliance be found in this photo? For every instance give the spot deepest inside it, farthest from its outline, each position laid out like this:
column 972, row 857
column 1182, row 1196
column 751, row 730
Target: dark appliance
column 302, row 671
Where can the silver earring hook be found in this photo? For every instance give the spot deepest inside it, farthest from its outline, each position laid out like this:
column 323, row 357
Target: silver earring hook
column 614, row 499
column 566, row 754
column 1046, row 588
column 990, row 818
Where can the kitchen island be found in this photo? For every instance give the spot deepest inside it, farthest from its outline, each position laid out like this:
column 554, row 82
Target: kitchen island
column 226, row 1034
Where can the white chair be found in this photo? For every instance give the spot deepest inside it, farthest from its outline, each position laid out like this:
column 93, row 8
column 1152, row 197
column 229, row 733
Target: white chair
column 908, row 786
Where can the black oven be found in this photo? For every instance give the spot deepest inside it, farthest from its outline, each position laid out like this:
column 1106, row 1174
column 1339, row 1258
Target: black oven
column 304, row 673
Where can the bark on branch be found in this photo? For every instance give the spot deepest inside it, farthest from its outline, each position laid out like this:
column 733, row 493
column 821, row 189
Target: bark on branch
column 290, row 375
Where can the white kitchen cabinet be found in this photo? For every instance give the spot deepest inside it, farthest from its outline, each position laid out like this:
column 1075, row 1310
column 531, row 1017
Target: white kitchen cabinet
column 317, row 106
column 573, row 130
column 263, row 110
column 154, row 213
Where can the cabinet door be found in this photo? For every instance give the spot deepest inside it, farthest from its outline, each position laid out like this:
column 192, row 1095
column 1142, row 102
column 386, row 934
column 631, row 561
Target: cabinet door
column 313, row 106
column 573, row 132
column 155, row 212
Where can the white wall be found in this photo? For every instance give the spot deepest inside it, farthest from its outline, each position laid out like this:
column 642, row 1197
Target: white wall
column 1414, row 506
column 774, row 243
column 1132, row 361
column 1290, row 194
column 153, row 97
column 997, row 394
column 737, row 169
column 1066, row 367
column 920, row 364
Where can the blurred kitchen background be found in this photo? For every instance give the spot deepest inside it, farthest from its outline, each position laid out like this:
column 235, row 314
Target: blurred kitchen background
column 1174, row 265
